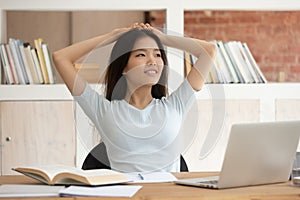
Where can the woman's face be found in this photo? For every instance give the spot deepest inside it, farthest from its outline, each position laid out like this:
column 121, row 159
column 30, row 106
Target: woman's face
column 145, row 64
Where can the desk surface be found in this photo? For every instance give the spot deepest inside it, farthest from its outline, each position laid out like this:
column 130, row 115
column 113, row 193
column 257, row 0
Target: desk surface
column 164, row 191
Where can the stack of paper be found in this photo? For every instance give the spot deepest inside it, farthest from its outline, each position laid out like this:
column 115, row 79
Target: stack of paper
column 19, row 190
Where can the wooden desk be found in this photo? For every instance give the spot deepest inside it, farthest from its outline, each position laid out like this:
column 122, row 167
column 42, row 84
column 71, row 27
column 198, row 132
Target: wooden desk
column 166, row 191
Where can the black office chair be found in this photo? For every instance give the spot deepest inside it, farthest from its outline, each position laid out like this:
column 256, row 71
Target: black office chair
column 98, row 159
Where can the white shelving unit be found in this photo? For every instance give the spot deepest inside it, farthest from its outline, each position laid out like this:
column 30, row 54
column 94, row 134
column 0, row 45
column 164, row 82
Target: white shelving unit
column 174, row 11
column 55, row 92
column 265, row 96
column 265, row 93
column 263, row 101
column 174, row 8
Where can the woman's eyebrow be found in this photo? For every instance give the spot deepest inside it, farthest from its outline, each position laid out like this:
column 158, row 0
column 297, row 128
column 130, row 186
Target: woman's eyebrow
column 145, row 49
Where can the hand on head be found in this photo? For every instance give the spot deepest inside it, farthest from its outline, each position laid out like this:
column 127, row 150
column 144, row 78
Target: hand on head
column 147, row 27
column 142, row 26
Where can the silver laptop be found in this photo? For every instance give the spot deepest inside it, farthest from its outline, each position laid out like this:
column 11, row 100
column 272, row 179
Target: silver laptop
column 257, row 153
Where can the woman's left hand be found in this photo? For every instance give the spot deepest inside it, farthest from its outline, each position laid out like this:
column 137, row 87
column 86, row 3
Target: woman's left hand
column 142, row 26
column 147, row 26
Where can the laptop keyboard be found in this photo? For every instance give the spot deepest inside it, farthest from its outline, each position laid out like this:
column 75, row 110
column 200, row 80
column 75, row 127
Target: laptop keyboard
column 212, row 182
column 208, row 182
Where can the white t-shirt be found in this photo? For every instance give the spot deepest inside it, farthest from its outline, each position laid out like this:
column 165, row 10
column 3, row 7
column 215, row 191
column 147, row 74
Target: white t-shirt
column 140, row 140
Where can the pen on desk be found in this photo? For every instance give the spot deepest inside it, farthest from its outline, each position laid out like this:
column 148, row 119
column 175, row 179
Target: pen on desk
column 141, row 177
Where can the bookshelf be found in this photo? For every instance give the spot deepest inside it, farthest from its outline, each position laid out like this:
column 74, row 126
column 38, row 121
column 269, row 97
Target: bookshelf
column 242, row 102
column 174, row 11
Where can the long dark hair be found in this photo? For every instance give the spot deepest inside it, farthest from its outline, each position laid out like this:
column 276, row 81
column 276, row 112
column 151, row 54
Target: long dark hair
column 115, row 82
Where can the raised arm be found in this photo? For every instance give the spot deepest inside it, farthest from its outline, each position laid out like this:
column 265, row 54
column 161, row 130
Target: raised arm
column 64, row 59
column 203, row 50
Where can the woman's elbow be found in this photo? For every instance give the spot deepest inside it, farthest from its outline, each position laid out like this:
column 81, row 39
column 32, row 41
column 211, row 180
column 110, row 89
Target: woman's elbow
column 59, row 59
column 212, row 50
column 56, row 57
column 207, row 49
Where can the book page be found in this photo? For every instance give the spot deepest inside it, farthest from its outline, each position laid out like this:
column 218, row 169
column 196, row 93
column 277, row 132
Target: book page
column 53, row 170
column 154, row 177
column 61, row 174
column 90, row 177
column 103, row 191
column 97, row 172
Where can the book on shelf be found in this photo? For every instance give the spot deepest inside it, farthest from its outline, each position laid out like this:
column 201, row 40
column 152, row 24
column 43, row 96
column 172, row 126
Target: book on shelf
column 17, row 61
column 254, row 64
column 37, row 65
column 66, row 175
column 5, row 65
column 12, row 64
column 227, row 62
column 30, row 62
column 232, row 57
column 23, row 64
column 234, row 63
column 239, row 62
column 48, row 62
column 246, row 63
column 40, row 54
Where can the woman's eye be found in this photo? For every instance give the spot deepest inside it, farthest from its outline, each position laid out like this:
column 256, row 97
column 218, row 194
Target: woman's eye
column 140, row 55
column 158, row 55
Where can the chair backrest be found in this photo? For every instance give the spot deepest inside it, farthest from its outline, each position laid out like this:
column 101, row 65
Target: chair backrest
column 183, row 165
column 98, row 159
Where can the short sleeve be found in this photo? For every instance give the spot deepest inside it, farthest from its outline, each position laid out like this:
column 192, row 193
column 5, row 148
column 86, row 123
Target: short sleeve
column 183, row 97
column 92, row 103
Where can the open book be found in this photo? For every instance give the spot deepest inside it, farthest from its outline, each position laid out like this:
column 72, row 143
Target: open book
column 66, row 175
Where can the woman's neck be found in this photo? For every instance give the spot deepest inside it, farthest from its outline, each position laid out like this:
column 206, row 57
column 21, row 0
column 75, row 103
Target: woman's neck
column 140, row 98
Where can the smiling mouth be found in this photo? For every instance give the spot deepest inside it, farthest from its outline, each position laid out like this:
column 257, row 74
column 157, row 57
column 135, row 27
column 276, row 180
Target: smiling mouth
column 151, row 72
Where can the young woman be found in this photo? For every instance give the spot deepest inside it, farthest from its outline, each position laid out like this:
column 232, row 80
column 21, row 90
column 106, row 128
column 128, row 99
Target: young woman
column 138, row 122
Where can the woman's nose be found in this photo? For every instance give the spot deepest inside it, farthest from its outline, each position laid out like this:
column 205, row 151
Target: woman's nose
column 151, row 60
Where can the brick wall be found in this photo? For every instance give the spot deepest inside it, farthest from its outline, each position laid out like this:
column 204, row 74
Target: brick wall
column 273, row 37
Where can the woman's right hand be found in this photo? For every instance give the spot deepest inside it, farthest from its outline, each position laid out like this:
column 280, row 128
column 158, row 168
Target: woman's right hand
column 147, row 26
column 116, row 33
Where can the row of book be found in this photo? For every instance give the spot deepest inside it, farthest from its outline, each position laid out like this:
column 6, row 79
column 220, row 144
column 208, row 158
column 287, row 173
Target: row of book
column 22, row 63
column 234, row 63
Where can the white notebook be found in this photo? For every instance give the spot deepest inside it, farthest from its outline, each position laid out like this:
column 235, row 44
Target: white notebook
column 26, row 190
